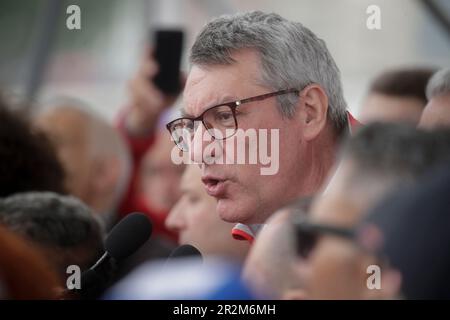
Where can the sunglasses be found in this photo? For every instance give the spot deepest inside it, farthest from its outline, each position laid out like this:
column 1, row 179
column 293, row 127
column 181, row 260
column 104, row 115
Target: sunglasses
column 308, row 233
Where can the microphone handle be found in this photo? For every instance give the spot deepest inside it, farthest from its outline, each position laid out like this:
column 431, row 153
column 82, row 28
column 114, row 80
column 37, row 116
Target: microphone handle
column 100, row 261
column 98, row 277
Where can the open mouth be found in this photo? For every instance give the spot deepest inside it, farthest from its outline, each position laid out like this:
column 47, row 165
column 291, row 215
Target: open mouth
column 214, row 187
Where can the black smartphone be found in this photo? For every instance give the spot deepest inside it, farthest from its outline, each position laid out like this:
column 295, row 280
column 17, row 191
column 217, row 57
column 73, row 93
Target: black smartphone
column 168, row 46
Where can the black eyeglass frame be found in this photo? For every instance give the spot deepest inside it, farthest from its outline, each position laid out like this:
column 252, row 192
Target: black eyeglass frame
column 306, row 230
column 303, row 226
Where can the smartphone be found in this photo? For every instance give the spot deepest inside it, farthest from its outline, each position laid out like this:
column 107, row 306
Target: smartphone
column 168, row 46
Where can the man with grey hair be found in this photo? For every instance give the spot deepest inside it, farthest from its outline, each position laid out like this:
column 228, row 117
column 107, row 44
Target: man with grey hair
column 260, row 71
column 94, row 155
column 437, row 111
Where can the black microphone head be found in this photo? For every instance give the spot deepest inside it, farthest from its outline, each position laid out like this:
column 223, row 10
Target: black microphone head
column 185, row 250
column 128, row 235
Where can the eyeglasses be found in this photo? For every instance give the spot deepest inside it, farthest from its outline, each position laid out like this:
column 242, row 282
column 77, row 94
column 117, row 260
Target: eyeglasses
column 308, row 234
column 220, row 120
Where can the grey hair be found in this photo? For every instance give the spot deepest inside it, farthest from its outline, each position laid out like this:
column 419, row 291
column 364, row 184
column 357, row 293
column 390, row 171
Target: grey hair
column 439, row 84
column 62, row 223
column 291, row 56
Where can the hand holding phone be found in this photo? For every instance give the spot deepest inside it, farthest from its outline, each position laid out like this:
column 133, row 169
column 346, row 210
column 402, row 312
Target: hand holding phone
column 167, row 53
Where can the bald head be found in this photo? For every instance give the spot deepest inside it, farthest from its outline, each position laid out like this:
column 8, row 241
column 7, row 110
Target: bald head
column 94, row 155
column 273, row 268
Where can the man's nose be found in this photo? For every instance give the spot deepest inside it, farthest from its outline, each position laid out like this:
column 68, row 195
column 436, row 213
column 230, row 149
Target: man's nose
column 175, row 220
column 199, row 151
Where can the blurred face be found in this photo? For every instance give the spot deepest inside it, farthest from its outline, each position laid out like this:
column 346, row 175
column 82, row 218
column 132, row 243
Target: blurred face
column 272, row 268
column 335, row 268
column 68, row 131
column 160, row 176
column 384, row 108
column 338, row 266
column 436, row 113
column 242, row 193
column 197, row 223
column 257, row 271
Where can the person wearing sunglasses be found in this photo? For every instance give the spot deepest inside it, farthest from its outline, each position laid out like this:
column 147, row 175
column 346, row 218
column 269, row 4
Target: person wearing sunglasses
column 283, row 262
column 322, row 257
column 379, row 160
column 344, row 262
column 260, row 71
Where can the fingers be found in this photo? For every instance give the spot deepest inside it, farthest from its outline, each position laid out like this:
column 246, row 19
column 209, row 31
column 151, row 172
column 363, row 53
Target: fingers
column 147, row 100
column 144, row 94
column 149, row 67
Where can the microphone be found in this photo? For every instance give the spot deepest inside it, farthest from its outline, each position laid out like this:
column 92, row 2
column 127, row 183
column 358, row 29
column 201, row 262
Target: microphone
column 128, row 235
column 184, row 251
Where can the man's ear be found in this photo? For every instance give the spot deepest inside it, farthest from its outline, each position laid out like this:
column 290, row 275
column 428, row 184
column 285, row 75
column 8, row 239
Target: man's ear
column 313, row 111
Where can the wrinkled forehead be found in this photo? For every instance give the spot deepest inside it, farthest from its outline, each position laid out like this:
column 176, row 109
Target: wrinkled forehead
column 209, row 85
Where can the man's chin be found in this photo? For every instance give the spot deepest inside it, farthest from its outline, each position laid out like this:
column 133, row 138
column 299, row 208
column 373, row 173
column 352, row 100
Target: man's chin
column 230, row 211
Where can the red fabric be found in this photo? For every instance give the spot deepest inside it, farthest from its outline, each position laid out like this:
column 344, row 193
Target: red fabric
column 239, row 234
column 353, row 123
column 133, row 201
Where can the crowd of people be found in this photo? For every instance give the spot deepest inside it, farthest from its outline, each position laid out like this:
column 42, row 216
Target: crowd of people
column 358, row 208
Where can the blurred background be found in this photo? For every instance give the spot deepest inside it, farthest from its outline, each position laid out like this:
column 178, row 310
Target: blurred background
column 40, row 57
